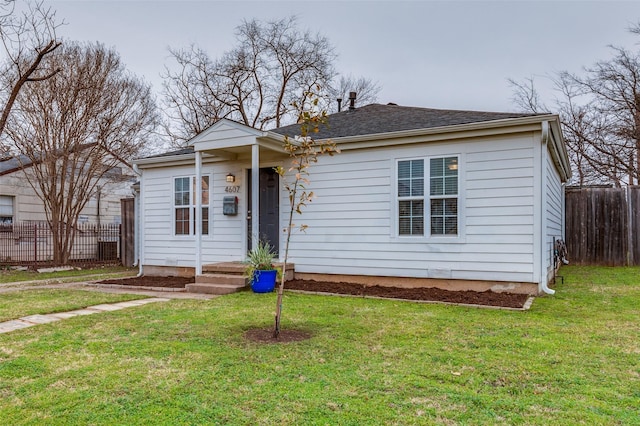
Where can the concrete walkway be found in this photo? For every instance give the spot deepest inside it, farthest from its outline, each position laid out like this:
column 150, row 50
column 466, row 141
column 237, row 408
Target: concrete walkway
column 31, row 320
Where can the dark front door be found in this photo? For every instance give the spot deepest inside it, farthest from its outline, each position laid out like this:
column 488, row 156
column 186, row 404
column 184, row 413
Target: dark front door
column 269, row 211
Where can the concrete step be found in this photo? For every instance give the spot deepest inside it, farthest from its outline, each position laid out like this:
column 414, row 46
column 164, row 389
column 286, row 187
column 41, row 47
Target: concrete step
column 207, row 288
column 226, row 279
column 237, row 268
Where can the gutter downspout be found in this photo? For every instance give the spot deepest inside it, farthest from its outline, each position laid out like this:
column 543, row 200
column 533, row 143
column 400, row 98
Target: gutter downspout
column 545, row 140
column 139, row 229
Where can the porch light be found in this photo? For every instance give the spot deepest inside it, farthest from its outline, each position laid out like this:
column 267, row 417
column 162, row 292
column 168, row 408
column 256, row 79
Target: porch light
column 231, row 178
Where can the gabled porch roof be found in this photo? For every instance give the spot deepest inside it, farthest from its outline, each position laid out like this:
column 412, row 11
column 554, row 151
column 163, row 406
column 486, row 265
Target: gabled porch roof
column 231, row 140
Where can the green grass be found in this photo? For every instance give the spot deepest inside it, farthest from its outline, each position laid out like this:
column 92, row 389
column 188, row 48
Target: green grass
column 574, row 358
column 18, row 304
column 13, row 276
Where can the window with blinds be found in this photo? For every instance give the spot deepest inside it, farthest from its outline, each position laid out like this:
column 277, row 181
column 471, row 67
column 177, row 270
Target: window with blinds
column 438, row 207
column 6, row 209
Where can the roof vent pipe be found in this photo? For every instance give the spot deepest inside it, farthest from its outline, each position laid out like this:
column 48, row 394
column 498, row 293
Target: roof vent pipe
column 352, row 100
column 339, row 104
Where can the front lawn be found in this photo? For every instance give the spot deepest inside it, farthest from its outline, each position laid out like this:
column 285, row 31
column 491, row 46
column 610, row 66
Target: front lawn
column 574, row 358
column 16, row 304
column 14, row 276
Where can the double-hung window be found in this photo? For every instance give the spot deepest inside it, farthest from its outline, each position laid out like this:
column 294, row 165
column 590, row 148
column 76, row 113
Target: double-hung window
column 185, row 205
column 411, row 197
column 6, row 209
column 428, row 193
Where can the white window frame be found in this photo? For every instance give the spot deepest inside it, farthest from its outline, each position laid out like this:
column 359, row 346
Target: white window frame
column 410, row 197
column 3, row 210
column 455, row 196
column 192, row 206
column 427, row 197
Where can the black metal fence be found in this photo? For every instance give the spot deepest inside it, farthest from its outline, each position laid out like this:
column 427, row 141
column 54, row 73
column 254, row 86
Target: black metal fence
column 31, row 244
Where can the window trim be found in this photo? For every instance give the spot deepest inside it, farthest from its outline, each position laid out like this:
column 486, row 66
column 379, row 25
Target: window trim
column 427, row 197
column 445, row 196
column 191, row 206
column 12, row 217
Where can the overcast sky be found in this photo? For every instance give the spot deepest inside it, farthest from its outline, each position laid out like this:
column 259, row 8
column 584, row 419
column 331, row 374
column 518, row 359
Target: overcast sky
column 451, row 55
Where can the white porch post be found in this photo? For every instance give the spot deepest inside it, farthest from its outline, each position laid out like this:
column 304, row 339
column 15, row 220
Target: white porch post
column 255, row 194
column 198, row 213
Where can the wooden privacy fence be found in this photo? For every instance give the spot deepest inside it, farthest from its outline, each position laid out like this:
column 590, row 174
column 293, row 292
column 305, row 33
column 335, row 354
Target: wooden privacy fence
column 603, row 226
column 31, row 244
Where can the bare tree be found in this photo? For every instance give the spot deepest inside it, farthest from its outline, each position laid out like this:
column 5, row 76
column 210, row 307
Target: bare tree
column 76, row 128
column 367, row 91
column 526, row 97
column 27, row 38
column 600, row 115
column 256, row 83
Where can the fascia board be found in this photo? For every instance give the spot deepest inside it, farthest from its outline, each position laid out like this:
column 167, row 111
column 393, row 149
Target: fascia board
column 174, row 160
column 560, row 149
column 445, row 132
column 509, row 125
column 234, row 124
column 405, row 138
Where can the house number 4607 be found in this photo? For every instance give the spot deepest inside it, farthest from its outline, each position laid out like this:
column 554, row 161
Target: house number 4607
column 232, row 189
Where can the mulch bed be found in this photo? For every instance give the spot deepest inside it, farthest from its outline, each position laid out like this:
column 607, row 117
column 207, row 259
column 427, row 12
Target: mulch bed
column 486, row 298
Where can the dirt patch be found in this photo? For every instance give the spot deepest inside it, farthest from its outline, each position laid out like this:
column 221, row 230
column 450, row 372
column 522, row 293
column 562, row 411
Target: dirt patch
column 265, row 335
column 149, row 281
column 486, row 298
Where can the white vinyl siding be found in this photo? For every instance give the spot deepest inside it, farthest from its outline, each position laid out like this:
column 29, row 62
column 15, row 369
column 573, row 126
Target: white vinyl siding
column 554, row 212
column 161, row 246
column 353, row 221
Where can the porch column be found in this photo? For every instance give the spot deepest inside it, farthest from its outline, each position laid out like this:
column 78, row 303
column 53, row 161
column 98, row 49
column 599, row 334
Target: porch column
column 255, row 194
column 198, row 213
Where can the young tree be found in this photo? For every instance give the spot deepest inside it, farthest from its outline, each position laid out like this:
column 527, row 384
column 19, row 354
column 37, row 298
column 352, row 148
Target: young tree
column 600, row 115
column 75, row 128
column 257, row 83
column 303, row 151
column 27, row 38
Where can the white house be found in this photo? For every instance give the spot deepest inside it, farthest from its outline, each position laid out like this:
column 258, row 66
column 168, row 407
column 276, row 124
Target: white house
column 417, row 197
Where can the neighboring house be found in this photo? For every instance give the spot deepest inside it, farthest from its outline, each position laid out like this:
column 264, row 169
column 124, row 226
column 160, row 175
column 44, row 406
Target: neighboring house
column 20, row 203
column 417, row 197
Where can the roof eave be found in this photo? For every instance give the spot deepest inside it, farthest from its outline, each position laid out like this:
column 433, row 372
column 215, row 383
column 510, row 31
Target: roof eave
column 173, row 160
column 446, row 131
column 561, row 149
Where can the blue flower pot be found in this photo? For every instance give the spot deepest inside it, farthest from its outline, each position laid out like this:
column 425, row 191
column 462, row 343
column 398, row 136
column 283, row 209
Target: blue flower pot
column 263, row 281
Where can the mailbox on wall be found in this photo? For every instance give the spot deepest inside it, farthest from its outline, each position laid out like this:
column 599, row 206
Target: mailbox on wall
column 230, row 205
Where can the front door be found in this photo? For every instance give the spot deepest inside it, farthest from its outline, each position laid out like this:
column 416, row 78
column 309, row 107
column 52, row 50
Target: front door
column 269, row 211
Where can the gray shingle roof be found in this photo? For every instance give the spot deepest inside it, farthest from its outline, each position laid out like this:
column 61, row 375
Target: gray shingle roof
column 377, row 118
column 12, row 164
column 182, row 151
